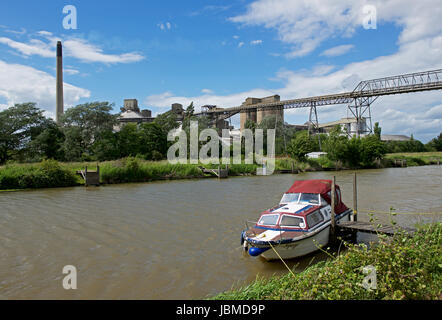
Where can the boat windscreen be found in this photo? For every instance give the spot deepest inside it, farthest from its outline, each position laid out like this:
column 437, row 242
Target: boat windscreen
column 310, row 198
column 290, row 197
column 269, row 219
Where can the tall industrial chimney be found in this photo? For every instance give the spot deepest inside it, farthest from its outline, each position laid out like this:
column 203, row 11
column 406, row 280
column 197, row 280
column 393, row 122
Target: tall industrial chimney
column 60, row 102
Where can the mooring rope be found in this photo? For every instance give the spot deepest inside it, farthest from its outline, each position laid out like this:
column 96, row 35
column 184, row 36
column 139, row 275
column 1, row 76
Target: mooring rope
column 290, row 270
column 394, row 212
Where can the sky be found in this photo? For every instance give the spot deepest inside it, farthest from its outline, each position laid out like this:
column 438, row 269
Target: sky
column 221, row 52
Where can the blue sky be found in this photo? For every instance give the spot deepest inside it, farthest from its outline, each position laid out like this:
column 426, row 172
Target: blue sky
column 221, row 52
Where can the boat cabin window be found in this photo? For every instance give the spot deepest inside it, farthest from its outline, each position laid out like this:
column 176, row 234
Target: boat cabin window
column 291, row 221
column 290, row 197
column 269, row 219
column 300, row 197
column 310, row 198
column 314, row 218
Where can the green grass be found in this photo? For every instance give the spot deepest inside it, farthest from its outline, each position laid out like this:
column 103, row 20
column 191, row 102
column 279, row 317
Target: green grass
column 47, row 174
column 414, row 159
column 27, row 176
column 406, row 268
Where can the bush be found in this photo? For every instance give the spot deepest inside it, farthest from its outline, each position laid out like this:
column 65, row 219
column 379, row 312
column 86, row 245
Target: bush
column 48, row 174
column 302, row 144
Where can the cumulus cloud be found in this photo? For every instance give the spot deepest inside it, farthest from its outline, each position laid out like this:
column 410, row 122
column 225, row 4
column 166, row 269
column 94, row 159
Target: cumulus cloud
column 19, row 84
column 73, row 47
column 33, row 47
column 240, row 44
column 417, row 113
column 305, row 24
column 255, row 42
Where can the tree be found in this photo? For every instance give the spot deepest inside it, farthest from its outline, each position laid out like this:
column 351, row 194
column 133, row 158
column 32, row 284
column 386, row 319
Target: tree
column 129, row 142
column 377, row 130
column 371, row 148
column 302, row 144
column 83, row 124
column 167, row 121
column 336, row 145
column 106, row 147
column 153, row 141
column 48, row 144
column 436, row 143
column 18, row 125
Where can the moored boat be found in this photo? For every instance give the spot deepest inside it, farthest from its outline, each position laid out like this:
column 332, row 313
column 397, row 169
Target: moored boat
column 299, row 224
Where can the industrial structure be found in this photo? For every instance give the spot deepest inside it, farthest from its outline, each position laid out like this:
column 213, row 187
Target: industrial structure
column 359, row 101
column 131, row 113
column 59, row 81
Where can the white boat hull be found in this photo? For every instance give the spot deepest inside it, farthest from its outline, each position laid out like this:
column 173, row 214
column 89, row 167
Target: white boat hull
column 303, row 246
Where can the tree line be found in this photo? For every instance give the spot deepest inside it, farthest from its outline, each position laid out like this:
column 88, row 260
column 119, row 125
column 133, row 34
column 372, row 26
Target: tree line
column 89, row 132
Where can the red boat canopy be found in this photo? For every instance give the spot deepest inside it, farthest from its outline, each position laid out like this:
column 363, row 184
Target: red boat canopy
column 311, row 186
column 322, row 187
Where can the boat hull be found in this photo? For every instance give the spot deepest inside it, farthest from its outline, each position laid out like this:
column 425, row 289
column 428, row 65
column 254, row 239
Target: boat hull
column 303, row 246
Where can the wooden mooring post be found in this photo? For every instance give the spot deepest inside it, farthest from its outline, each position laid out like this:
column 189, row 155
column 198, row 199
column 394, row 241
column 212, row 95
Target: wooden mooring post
column 355, row 199
column 333, row 213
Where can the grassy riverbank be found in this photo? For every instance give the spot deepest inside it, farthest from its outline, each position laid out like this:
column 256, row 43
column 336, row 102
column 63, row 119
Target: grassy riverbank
column 416, row 159
column 406, row 268
column 53, row 174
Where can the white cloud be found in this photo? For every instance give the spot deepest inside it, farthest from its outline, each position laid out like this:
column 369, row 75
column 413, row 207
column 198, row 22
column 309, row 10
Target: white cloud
column 305, row 24
column 86, row 52
column 417, row 113
column 164, row 26
column 255, row 42
column 19, row 84
column 338, row 50
column 235, row 37
column 34, row 47
column 240, row 44
column 73, row 47
column 207, row 91
column 71, row 71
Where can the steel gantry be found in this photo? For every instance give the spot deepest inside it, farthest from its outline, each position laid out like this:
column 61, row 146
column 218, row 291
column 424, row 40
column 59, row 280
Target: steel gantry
column 359, row 101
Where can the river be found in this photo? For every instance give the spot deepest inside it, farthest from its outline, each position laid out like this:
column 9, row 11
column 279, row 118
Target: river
column 171, row 240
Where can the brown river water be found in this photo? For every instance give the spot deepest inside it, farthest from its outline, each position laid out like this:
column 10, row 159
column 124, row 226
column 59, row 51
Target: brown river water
column 171, row 240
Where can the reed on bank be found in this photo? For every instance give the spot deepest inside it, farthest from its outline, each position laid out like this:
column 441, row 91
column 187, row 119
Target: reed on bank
column 406, row 268
column 51, row 173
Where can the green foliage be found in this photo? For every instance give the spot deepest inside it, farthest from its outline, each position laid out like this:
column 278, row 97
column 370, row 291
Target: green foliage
column 47, row 174
column 405, row 146
column 354, row 152
column 167, row 121
column 48, row 144
column 377, row 130
column 406, row 268
column 18, row 125
column 302, row 144
column 134, row 170
column 336, row 145
column 435, row 144
column 371, row 148
column 83, row 125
